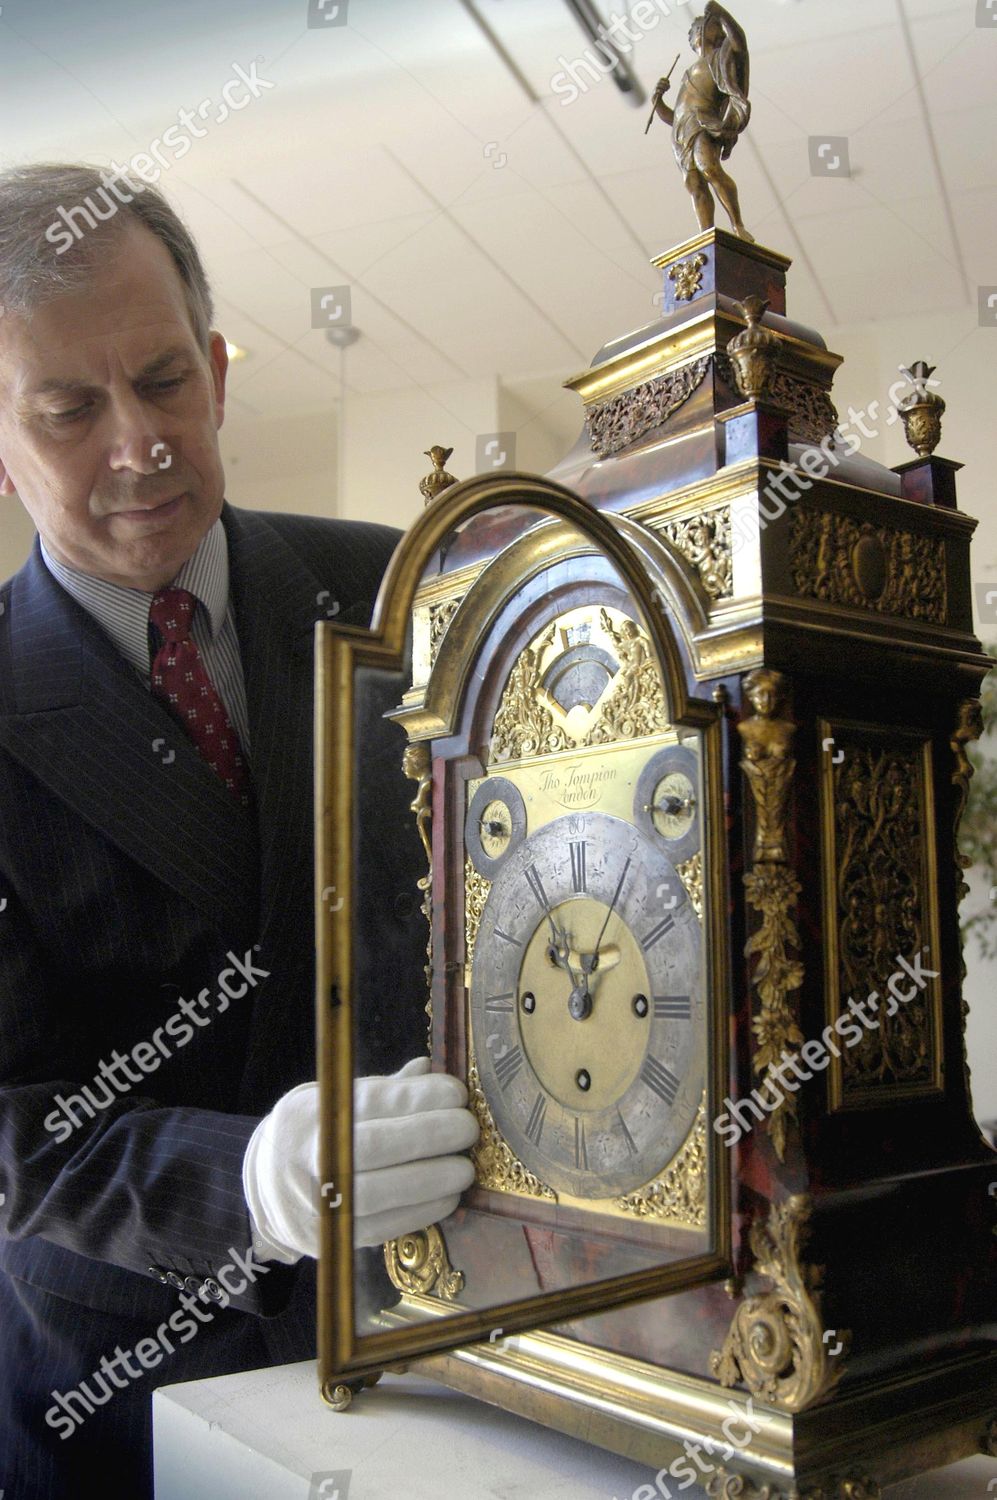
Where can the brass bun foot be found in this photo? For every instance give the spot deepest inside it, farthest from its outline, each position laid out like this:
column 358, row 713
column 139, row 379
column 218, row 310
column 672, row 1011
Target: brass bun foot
column 339, row 1394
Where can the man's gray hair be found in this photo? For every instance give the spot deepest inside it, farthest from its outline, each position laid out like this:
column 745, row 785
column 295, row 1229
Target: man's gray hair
column 55, row 222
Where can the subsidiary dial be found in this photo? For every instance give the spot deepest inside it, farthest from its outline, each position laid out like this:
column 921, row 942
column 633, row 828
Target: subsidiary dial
column 666, row 804
column 495, row 824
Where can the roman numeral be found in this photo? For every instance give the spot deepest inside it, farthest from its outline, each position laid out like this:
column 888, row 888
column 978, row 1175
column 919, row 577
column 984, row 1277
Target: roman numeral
column 657, row 933
column 577, row 847
column 535, row 1124
column 495, row 1003
column 669, row 1007
column 508, row 937
column 537, row 887
column 660, row 1080
column 631, row 1143
column 581, row 1150
column 508, row 1066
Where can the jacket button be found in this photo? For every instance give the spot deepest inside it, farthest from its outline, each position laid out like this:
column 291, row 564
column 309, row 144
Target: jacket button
column 159, row 1275
column 175, row 1280
column 192, row 1284
column 212, row 1289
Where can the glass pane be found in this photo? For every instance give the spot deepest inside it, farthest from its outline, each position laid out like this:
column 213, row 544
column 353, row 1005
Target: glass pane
column 557, row 936
column 390, row 1021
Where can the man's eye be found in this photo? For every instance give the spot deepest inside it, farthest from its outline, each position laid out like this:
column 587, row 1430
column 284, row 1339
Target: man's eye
column 173, row 384
column 72, row 415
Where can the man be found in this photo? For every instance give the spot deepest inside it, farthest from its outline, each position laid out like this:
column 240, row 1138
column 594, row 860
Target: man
column 156, row 867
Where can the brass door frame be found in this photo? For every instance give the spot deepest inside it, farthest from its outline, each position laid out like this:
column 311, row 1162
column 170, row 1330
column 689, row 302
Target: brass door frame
column 339, row 652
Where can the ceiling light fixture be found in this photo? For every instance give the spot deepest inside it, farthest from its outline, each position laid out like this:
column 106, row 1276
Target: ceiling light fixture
column 595, row 28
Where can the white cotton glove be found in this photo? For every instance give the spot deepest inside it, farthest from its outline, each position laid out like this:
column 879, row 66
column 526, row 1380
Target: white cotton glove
column 408, row 1128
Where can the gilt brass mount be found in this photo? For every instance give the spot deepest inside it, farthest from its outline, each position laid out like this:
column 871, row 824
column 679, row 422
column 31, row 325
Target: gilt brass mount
column 777, row 1344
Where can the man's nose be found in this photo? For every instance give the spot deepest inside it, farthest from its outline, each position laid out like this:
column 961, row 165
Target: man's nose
column 136, row 443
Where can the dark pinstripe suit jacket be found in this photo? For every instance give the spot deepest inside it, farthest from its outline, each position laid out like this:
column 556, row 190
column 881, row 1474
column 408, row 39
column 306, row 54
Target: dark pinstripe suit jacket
column 127, row 880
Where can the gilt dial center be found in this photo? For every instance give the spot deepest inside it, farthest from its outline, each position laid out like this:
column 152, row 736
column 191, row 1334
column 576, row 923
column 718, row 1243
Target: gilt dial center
column 583, row 1003
column 496, row 828
column 673, row 805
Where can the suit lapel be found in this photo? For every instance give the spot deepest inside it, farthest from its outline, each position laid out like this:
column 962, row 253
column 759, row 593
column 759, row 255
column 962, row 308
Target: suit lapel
column 77, row 715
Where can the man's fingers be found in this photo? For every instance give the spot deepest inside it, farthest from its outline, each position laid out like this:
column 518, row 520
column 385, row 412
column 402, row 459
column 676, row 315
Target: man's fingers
column 415, row 1182
column 388, row 1143
column 414, row 1068
column 374, row 1229
column 391, row 1098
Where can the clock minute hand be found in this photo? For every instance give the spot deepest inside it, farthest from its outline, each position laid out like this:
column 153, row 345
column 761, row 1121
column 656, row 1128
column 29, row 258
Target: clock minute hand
column 590, row 961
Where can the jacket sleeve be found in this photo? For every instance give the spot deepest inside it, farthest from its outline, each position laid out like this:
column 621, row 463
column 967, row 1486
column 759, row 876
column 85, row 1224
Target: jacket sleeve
column 119, row 1178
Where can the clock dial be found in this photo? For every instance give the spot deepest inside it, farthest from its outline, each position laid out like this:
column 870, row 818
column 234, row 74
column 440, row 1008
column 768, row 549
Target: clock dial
column 586, row 1007
column 666, row 802
column 496, row 823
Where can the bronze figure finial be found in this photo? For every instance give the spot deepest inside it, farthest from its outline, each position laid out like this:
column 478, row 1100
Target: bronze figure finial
column 710, row 113
column 433, row 484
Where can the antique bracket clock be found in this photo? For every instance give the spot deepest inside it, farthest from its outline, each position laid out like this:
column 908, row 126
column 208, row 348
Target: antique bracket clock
column 678, row 765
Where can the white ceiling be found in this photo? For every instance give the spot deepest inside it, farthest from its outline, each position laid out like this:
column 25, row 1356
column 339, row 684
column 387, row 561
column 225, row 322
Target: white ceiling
column 372, row 163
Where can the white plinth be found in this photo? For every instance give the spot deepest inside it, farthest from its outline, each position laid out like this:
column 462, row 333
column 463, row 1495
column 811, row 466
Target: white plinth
column 266, row 1435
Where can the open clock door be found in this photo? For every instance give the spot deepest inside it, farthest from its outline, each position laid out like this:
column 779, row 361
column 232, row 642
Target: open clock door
column 521, row 867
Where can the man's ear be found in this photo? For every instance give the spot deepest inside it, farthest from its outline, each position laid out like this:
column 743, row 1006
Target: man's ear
column 218, row 359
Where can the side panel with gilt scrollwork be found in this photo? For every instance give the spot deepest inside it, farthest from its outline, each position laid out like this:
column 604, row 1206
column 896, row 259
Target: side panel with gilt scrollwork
column 880, row 905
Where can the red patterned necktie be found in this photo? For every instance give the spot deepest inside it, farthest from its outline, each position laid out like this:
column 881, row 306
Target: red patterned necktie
column 179, row 678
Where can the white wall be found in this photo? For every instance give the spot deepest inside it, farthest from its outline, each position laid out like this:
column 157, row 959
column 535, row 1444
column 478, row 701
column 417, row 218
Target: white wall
column 980, row 993
column 288, row 463
column 16, row 535
column 387, row 435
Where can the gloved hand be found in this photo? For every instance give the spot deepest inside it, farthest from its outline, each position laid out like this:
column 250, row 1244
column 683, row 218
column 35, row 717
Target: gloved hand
column 408, row 1128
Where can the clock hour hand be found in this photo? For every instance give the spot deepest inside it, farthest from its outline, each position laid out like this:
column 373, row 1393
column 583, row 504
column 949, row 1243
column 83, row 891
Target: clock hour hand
column 573, row 963
column 557, row 948
column 581, row 1000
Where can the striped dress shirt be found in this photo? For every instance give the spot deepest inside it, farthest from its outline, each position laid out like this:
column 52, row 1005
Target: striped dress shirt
column 123, row 614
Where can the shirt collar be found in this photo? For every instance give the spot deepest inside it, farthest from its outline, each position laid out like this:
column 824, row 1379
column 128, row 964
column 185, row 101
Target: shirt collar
column 124, row 612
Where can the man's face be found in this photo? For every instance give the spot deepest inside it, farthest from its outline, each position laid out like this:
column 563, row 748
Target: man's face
column 109, row 418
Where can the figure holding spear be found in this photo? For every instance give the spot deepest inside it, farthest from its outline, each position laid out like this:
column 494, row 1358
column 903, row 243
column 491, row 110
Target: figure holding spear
column 710, row 112
column 663, row 84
